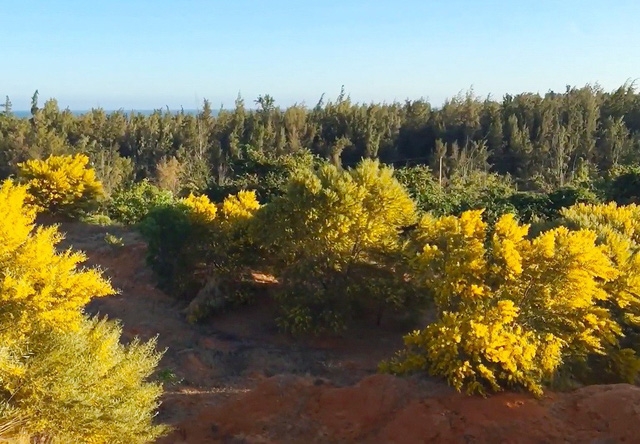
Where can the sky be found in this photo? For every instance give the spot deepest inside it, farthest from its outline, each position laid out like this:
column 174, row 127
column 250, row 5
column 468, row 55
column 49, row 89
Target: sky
column 147, row 54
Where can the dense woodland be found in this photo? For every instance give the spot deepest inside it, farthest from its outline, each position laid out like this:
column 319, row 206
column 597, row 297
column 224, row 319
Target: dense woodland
column 541, row 142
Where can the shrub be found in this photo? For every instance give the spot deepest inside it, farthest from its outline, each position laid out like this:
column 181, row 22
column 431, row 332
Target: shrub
column 84, row 386
column 62, row 185
column 532, row 207
column 334, row 238
column 132, row 205
column 63, row 378
column 234, row 247
column 618, row 229
column 425, row 189
column 97, row 219
column 623, row 185
column 477, row 190
column 193, row 239
column 39, row 287
column 200, row 208
column 168, row 230
column 510, row 311
column 568, row 196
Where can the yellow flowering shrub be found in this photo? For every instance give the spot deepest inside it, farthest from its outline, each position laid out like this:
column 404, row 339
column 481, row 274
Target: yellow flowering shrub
column 235, row 245
column 223, row 256
column 201, row 209
column 63, row 377
column 335, row 244
column 240, row 206
column 39, row 287
column 618, row 229
column 510, row 310
column 61, row 184
column 195, row 239
column 83, row 386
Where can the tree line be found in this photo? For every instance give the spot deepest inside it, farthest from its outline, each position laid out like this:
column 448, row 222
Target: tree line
column 542, row 142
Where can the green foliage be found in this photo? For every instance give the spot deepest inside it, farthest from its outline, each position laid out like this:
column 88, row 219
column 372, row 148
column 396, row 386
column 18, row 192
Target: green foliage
column 425, row 190
column 113, row 240
column 510, row 311
column 477, row 190
column 97, row 219
column 168, row 376
column 113, row 170
column 566, row 197
column 543, row 142
column 532, row 207
column 623, row 185
column 193, row 239
column 333, row 239
column 168, row 231
column 265, row 174
column 132, row 205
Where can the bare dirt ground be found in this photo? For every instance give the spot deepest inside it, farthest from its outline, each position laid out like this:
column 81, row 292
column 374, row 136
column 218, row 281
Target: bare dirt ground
column 235, row 379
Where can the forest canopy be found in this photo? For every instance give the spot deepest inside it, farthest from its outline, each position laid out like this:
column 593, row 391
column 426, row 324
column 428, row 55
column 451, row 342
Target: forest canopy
column 541, row 142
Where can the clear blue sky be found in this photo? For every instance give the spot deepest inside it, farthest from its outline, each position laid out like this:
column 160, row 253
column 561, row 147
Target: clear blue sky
column 141, row 54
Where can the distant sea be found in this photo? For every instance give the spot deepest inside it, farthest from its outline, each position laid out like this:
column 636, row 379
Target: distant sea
column 145, row 112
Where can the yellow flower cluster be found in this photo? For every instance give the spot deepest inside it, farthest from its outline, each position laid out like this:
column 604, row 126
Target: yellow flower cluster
column 234, row 207
column 342, row 214
column 63, row 377
column 510, row 309
column 200, row 208
column 61, row 184
column 618, row 228
column 240, row 206
column 39, row 287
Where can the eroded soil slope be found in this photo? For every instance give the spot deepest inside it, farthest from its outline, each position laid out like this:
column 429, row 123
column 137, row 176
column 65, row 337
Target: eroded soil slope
column 235, row 379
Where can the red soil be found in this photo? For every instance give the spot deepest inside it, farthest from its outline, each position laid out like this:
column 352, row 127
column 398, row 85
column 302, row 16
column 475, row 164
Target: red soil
column 385, row 409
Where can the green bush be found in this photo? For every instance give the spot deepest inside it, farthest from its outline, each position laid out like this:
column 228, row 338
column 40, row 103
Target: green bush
column 490, row 192
column 97, row 219
column 566, row 197
column 623, row 185
column 132, row 205
column 424, row 189
column 532, row 207
column 168, row 231
column 336, row 246
column 193, row 240
column 477, row 190
column 265, row 174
